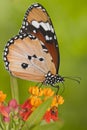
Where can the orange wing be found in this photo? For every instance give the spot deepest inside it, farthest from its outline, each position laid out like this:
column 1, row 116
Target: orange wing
column 27, row 57
column 38, row 23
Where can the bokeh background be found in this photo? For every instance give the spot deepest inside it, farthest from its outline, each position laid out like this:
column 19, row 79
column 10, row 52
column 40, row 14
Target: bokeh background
column 70, row 22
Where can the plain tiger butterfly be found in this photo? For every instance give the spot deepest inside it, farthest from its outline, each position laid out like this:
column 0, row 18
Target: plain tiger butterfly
column 33, row 54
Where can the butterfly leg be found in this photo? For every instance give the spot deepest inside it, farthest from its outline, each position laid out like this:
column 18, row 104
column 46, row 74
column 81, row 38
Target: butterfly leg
column 39, row 84
column 57, row 87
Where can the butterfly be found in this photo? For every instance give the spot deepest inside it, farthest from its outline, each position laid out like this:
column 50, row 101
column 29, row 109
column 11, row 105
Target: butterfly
column 33, row 54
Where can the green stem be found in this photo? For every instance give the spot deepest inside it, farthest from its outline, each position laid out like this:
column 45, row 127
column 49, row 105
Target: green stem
column 14, row 88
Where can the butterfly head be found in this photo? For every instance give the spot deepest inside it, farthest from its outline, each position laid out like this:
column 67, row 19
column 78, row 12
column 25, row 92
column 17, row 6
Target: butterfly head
column 51, row 79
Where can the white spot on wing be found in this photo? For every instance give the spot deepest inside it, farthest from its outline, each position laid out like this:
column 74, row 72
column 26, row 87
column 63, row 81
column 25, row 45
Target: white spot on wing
column 6, row 63
column 40, row 7
column 15, row 37
column 35, row 24
column 26, row 23
column 20, row 36
column 55, row 37
column 23, row 22
column 8, row 44
column 48, row 26
column 45, row 26
column 6, row 49
column 23, row 27
column 50, row 38
column 5, row 53
column 4, row 58
column 56, row 45
column 34, row 31
column 46, row 37
column 52, row 30
column 35, row 5
column 20, row 31
column 11, row 41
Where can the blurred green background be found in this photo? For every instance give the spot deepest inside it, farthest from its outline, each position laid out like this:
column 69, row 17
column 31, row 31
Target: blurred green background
column 70, row 23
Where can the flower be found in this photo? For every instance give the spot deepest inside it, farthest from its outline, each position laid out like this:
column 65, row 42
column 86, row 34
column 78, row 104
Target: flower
column 11, row 108
column 25, row 110
column 36, row 91
column 2, row 107
column 48, row 92
column 3, row 110
column 57, row 100
column 60, row 100
column 35, row 101
column 51, row 114
column 14, row 113
column 39, row 95
column 54, row 113
column 7, row 118
column 2, row 96
column 13, row 104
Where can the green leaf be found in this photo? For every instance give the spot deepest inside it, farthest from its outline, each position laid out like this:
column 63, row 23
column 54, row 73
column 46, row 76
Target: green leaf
column 51, row 126
column 37, row 115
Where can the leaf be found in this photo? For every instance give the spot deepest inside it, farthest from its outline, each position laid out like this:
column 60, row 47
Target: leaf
column 37, row 115
column 51, row 126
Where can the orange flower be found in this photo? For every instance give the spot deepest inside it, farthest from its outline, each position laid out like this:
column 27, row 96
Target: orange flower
column 2, row 107
column 2, row 97
column 60, row 100
column 48, row 92
column 35, row 101
column 36, row 91
column 57, row 100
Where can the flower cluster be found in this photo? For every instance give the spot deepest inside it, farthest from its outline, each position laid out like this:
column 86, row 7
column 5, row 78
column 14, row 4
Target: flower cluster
column 38, row 96
column 19, row 113
column 9, row 113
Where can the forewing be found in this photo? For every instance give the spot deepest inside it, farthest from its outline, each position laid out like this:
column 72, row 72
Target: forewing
column 38, row 23
column 27, row 57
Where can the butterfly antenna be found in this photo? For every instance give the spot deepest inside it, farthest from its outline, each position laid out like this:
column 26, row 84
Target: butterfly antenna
column 77, row 79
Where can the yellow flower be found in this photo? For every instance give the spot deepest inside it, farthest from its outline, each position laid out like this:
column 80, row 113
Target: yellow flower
column 2, row 96
column 35, row 101
column 36, row 91
column 57, row 100
column 60, row 100
column 48, row 92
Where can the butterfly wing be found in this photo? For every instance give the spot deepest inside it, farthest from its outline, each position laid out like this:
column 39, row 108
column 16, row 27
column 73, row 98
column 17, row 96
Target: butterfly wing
column 38, row 23
column 27, row 57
